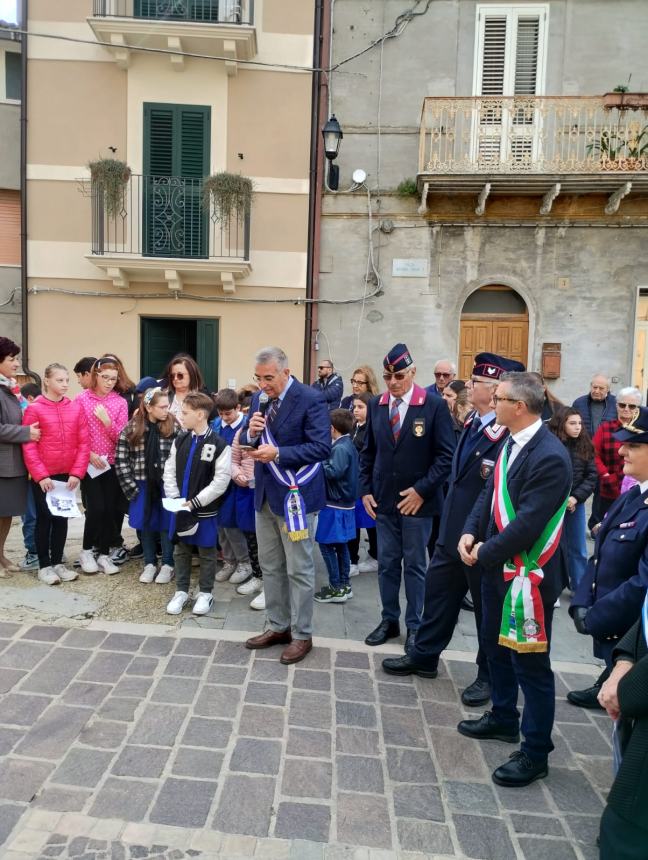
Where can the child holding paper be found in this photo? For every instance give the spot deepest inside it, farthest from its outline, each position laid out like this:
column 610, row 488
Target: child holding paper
column 143, row 448
column 61, row 454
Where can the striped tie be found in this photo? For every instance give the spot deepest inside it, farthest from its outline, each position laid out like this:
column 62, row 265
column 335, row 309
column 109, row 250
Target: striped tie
column 394, row 418
column 271, row 414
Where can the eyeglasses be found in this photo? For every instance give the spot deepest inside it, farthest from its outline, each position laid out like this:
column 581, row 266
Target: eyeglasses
column 436, row 373
column 497, row 399
column 358, row 382
column 627, row 405
column 178, row 376
column 399, row 375
column 258, row 378
column 324, row 367
column 105, row 378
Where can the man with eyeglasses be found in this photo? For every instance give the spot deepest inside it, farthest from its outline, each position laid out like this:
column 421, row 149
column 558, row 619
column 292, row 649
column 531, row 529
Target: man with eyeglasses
column 329, row 384
column 404, row 463
column 444, row 372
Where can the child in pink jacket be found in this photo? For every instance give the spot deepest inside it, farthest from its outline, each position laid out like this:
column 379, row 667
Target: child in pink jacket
column 61, row 454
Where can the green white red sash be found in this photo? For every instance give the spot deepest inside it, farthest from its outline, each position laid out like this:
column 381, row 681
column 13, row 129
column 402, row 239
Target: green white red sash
column 523, row 627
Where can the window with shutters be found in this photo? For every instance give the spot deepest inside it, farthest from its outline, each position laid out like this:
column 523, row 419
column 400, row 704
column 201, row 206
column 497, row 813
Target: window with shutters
column 176, row 160
column 12, row 75
column 509, row 71
column 9, row 228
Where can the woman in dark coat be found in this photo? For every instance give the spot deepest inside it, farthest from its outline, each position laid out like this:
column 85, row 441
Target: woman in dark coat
column 13, row 474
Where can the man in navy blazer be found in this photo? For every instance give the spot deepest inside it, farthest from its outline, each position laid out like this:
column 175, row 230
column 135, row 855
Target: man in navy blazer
column 448, row 578
column 404, row 463
column 538, row 481
column 298, row 421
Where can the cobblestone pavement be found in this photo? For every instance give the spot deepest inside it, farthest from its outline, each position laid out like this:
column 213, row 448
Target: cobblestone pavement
column 125, row 741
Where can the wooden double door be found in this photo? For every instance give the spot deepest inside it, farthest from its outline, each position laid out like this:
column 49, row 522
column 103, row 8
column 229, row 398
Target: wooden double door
column 504, row 335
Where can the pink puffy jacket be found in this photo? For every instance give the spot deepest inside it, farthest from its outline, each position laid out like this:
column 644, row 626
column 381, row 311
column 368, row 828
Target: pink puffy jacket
column 64, row 446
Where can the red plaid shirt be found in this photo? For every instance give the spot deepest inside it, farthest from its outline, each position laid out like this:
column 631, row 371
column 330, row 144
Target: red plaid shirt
column 609, row 464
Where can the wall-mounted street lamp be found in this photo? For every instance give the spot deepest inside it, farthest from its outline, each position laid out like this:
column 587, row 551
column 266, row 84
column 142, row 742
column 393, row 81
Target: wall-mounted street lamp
column 332, row 134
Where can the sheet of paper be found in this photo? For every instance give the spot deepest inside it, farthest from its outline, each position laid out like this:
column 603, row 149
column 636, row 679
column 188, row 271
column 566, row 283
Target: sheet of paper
column 93, row 471
column 61, row 501
column 173, row 505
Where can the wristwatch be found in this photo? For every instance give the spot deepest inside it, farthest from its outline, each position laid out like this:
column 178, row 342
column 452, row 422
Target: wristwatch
column 276, row 457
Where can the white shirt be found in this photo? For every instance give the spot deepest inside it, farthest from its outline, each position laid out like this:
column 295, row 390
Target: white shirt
column 405, row 402
column 643, row 486
column 236, row 423
column 521, row 438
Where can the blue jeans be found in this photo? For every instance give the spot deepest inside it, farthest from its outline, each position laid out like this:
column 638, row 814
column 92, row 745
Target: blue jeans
column 29, row 521
column 338, row 563
column 149, row 547
column 402, row 543
column 575, row 544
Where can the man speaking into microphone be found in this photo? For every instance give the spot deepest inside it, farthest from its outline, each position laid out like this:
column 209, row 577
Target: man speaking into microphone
column 289, row 434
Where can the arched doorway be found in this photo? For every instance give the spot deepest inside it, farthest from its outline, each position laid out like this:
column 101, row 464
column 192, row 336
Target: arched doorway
column 494, row 319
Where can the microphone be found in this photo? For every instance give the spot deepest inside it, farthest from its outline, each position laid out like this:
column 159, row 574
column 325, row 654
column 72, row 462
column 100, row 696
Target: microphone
column 264, row 403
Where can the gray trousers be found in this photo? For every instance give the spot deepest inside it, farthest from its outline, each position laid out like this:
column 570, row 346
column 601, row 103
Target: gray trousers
column 288, row 574
column 234, row 545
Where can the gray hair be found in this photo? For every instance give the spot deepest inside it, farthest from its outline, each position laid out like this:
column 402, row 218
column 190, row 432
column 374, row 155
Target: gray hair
column 527, row 388
column 272, row 355
column 630, row 391
column 601, row 376
column 446, row 361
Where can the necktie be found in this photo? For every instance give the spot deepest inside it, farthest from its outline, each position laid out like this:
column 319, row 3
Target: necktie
column 475, row 427
column 271, row 414
column 510, row 442
column 394, row 418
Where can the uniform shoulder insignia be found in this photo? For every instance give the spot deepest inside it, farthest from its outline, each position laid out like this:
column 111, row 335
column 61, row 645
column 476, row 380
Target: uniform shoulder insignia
column 495, row 432
column 419, row 396
column 470, row 417
column 384, row 400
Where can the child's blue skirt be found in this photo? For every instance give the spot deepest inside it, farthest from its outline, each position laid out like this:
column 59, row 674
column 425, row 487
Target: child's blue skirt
column 158, row 519
column 335, row 525
column 362, row 518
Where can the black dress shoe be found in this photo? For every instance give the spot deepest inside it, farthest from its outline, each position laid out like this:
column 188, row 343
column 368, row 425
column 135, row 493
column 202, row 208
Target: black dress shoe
column 520, row 770
column 467, row 604
column 478, row 693
column 385, row 630
column 486, row 728
column 586, row 698
column 409, row 640
column 406, row 666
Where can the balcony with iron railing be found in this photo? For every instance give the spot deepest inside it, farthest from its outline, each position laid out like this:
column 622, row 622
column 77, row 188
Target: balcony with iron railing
column 532, row 145
column 163, row 229
column 213, row 28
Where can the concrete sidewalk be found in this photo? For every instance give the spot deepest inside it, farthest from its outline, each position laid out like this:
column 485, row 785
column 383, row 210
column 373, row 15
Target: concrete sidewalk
column 133, row 741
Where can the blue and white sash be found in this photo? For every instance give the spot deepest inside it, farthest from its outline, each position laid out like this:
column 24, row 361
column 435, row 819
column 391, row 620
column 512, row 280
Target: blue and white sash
column 294, row 507
column 616, row 732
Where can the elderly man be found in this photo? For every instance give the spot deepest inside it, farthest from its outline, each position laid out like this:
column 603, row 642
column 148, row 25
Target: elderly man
column 404, row 463
column 514, row 532
column 448, row 579
column 329, row 384
column 444, row 372
column 290, row 434
column 597, row 406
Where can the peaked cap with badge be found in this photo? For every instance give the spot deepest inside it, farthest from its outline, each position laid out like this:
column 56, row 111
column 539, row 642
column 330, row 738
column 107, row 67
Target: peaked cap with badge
column 489, row 365
column 636, row 430
column 398, row 358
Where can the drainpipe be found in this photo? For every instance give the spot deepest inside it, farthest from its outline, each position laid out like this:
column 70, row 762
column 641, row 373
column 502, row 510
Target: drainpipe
column 23, row 195
column 315, row 187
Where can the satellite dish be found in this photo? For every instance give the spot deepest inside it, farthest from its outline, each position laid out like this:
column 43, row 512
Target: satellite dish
column 359, row 176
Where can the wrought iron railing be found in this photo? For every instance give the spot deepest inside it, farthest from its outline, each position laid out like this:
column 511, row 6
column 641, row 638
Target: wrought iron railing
column 204, row 11
column 165, row 216
column 531, row 134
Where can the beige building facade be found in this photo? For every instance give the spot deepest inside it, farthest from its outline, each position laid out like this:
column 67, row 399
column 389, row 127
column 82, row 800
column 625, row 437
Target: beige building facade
column 163, row 274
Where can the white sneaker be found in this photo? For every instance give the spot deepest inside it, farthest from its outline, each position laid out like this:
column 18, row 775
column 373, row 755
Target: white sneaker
column 368, row 566
column 353, row 570
column 203, row 604
column 148, row 574
column 177, row 603
column 87, row 561
column 225, row 572
column 242, row 572
column 48, row 576
column 165, row 575
column 105, row 565
column 64, row 573
column 557, row 604
column 258, row 602
column 251, row 586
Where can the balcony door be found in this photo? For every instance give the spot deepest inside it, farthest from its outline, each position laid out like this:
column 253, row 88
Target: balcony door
column 509, row 72
column 176, row 160
column 179, row 10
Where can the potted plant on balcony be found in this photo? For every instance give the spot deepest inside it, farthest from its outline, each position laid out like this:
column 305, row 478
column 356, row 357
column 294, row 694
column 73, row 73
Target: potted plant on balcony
column 621, row 152
column 230, row 193
column 109, row 177
column 622, row 99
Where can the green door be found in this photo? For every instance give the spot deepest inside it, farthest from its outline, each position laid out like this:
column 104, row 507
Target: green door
column 163, row 337
column 176, row 160
column 207, row 351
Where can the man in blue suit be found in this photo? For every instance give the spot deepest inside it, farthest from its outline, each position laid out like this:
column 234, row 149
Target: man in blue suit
column 610, row 595
column 404, row 463
column 290, row 436
column 448, row 578
column 513, row 532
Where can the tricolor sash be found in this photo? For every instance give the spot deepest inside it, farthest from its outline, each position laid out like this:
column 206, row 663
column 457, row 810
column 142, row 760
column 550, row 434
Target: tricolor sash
column 294, row 507
column 523, row 627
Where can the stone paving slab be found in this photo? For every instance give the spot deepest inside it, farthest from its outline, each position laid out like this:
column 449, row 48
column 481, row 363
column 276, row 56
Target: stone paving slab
column 130, row 741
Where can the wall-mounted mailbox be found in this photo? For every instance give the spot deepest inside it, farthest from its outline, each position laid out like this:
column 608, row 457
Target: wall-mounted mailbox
column 551, row 355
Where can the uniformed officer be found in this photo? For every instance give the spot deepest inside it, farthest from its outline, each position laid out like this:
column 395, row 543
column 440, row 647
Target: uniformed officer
column 448, row 578
column 404, row 463
column 610, row 595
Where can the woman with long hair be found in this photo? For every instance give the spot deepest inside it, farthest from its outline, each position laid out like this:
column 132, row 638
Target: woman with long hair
column 457, row 398
column 567, row 425
column 363, row 381
column 106, row 413
column 61, row 454
column 183, row 376
column 142, row 450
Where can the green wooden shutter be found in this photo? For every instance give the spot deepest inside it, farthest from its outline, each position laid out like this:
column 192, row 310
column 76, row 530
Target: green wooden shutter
column 207, row 351
column 194, row 147
column 12, row 75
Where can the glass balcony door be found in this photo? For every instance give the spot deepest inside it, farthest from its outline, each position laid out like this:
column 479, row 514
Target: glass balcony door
column 179, row 10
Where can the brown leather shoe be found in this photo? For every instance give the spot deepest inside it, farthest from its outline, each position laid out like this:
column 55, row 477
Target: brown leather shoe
column 296, row 651
column 269, row 638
